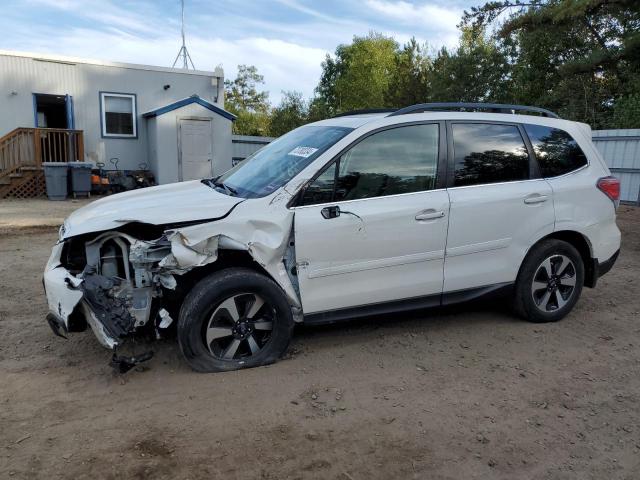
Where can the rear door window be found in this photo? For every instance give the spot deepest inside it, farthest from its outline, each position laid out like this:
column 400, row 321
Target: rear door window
column 556, row 151
column 488, row 153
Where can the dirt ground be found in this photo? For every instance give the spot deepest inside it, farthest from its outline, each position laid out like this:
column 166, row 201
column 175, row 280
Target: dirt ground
column 35, row 214
column 463, row 393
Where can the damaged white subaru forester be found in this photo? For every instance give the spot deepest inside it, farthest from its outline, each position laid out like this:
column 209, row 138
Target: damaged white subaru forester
column 361, row 214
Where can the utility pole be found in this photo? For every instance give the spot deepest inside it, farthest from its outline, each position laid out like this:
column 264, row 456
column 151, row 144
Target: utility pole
column 183, row 53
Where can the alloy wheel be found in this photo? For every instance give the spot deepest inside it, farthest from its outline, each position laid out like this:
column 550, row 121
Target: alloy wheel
column 554, row 283
column 239, row 326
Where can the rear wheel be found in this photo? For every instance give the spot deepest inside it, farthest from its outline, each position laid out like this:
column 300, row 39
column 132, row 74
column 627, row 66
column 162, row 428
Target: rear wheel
column 235, row 318
column 550, row 282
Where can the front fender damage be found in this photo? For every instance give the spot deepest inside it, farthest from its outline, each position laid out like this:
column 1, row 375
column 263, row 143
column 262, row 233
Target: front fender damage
column 268, row 243
column 121, row 286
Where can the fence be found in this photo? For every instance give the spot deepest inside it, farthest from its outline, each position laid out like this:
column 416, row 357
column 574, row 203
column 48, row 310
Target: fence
column 244, row 145
column 620, row 149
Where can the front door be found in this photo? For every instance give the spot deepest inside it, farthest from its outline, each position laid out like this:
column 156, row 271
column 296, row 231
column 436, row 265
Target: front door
column 53, row 111
column 372, row 228
column 196, row 148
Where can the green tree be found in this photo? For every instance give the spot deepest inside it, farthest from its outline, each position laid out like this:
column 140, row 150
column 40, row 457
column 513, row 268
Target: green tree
column 408, row 84
column 579, row 57
column 291, row 112
column 626, row 112
column 358, row 75
column 242, row 92
column 251, row 123
column 243, row 99
column 318, row 109
column 477, row 71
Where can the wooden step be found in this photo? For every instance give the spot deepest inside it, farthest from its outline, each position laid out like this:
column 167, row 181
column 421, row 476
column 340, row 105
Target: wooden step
column 5, row 181
column 16, row 175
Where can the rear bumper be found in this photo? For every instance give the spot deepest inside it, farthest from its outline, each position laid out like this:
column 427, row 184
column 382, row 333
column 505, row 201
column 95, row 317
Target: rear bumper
column 601, row 268
column 607, row 265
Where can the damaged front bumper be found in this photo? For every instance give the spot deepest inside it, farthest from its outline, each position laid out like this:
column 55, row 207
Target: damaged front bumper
column 62, row 296
column 116, row 283
column 114, row 292
column 65, row 298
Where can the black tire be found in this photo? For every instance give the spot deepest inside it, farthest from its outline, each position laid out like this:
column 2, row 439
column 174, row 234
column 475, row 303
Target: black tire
column 540, row 305
column 205, row 301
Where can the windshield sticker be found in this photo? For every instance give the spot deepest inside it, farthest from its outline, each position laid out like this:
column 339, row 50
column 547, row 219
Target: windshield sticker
column 303, row 151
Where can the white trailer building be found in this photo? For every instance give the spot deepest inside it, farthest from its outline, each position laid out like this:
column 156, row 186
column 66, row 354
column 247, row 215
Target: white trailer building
column 55, row 108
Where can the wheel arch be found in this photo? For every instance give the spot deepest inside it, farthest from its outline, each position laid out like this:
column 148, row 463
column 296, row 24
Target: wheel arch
column 227, row 258
column 581, row 243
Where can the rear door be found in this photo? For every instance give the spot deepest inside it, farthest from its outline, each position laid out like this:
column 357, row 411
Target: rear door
column 499, row 204
column 372, row 227
column 196, row 148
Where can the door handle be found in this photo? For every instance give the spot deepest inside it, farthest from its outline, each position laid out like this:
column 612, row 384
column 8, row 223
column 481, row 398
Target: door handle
column 535, row 198
column 429, row 214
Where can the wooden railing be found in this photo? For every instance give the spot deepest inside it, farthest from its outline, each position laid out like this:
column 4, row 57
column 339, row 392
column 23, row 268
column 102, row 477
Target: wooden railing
column 32, row 146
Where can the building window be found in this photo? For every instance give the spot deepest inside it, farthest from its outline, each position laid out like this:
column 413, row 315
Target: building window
column 118, row 115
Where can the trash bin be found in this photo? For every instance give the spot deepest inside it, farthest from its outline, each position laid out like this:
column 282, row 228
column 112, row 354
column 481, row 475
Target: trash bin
column 80, row 178
column 55, row 175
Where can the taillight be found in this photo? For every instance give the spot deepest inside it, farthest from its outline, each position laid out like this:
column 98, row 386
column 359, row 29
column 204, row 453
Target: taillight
column 610, row 186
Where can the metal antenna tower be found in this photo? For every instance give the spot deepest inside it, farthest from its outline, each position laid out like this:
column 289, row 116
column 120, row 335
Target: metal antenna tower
column 183, row 53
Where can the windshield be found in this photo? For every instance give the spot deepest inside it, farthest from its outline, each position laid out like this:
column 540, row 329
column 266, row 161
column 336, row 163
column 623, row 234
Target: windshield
column 278, row 162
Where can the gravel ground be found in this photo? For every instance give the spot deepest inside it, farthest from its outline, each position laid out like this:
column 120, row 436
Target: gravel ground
column 463, row 393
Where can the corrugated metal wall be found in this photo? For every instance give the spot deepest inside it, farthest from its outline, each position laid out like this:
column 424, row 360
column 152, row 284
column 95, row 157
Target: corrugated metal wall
column 245, row 145
column 621, row 151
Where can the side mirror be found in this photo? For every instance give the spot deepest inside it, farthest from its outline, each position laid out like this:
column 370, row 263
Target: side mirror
column 330, row 212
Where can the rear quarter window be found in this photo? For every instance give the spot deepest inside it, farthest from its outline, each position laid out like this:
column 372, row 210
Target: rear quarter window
column 556, row 151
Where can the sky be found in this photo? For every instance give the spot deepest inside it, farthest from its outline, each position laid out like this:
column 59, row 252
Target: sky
column 287, row 40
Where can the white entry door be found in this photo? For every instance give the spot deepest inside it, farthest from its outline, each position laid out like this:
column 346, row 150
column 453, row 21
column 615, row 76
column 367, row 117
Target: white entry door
column 196, row 148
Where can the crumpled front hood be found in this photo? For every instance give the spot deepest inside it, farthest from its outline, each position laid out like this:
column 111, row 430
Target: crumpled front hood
column 172, row 203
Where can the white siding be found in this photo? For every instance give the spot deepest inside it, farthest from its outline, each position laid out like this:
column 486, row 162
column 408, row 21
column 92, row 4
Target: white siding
column 22, row 76
column 163, row 141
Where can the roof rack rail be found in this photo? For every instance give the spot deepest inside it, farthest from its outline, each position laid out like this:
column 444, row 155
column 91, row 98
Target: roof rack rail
column 364, row 111
column 495, row 107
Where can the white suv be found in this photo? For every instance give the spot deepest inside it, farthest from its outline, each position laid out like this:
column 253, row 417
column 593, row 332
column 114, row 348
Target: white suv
column 357, row 215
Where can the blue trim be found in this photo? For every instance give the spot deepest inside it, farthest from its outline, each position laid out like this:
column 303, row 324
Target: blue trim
column 71, row 122
column 135, row 117
column 189, row 101
column 35, row 109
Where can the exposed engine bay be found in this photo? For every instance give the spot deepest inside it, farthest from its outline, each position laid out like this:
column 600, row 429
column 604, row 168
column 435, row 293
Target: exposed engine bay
column 133, row 278
column 120, row 279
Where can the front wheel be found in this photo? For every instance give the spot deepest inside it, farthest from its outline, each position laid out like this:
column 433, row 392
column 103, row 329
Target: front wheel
column 234, row 318
column 550, row 282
